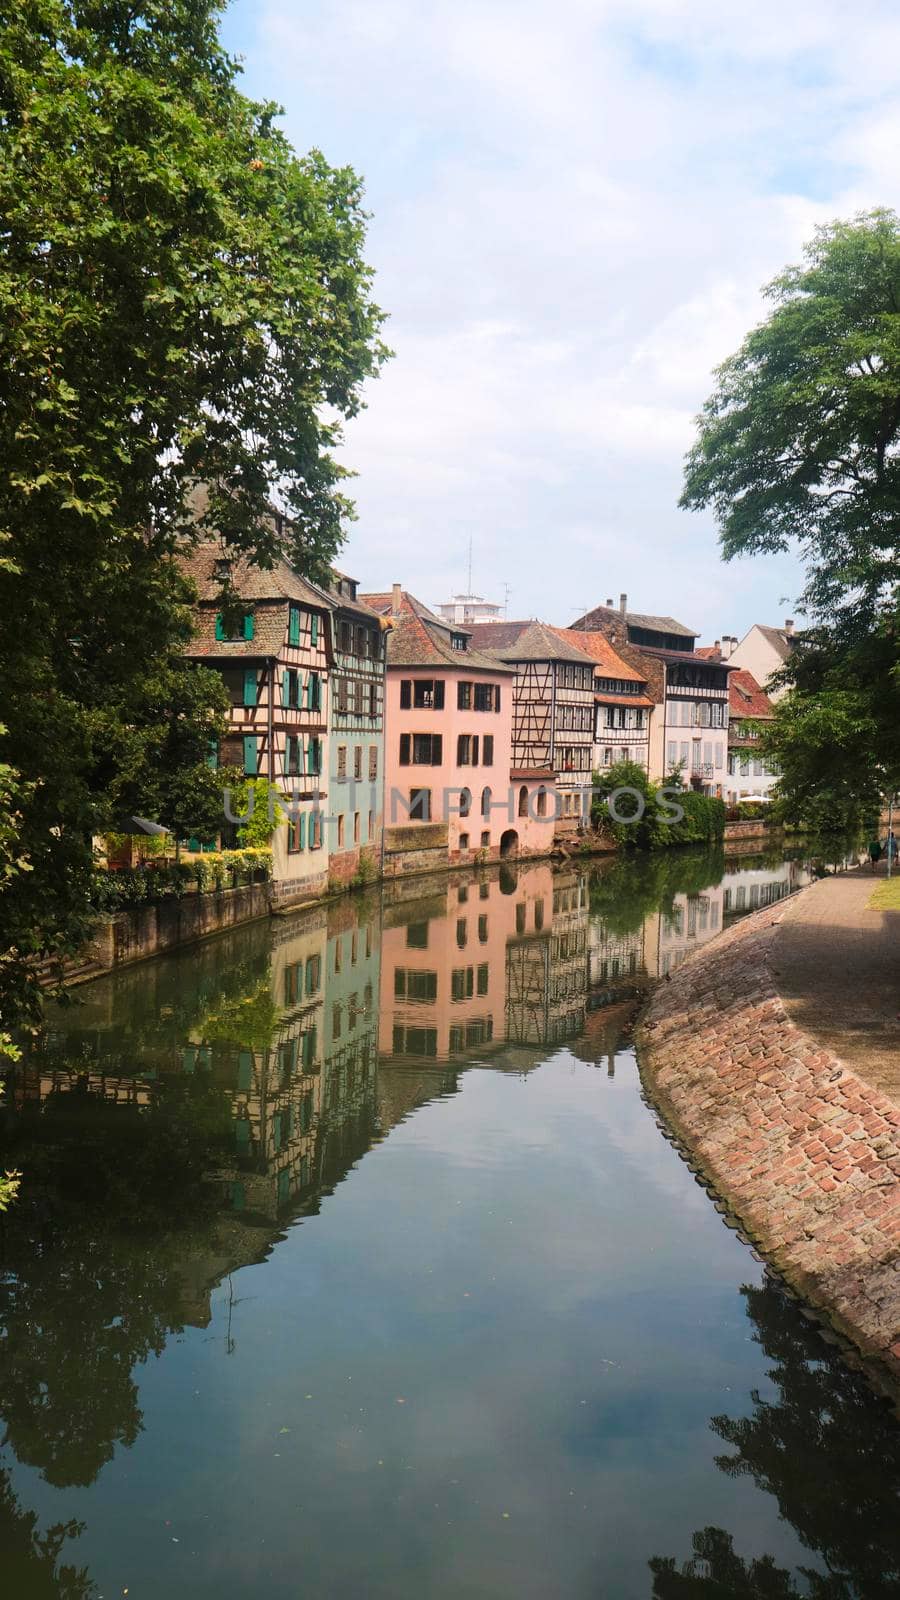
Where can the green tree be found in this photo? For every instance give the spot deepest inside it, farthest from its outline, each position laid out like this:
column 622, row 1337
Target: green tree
column 799, row 445
column 182, row 298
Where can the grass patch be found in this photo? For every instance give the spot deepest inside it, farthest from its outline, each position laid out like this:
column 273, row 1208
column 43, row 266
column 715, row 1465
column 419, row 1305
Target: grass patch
column 886, row 895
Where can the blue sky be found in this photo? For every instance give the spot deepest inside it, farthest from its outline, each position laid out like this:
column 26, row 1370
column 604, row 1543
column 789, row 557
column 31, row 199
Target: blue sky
column 574, row 207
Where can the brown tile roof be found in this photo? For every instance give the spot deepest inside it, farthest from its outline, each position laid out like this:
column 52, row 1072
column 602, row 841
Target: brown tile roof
column 602, row 616
column 499, row 635
column 778, row 639
column 599, row 648
column 417, row 638
column 539, row 642
column 270, row 622
column 746, row 698
column 251, row 583
column 709, row 652
column 609, row 699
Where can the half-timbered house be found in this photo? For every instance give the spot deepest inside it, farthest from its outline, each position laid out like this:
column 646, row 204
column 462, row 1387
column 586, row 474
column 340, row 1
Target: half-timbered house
column 553, row 709
column 622, row 706
column 273, row 649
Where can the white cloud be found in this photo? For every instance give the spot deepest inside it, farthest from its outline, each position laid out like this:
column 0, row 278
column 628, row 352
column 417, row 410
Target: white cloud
column 575, row 206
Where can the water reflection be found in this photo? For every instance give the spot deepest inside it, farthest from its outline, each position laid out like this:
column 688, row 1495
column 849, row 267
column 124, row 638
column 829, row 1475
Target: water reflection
column 180, row 1115
column 828, row 1451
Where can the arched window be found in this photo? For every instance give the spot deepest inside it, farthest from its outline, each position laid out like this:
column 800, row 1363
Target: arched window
column 523, row 801
column 465, row 802
column 542, row 803
column 486, row 804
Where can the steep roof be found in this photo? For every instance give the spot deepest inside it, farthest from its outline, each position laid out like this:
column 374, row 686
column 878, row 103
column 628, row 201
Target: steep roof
column 746, row 698
column 540, row 642
column 270, row 623
column 597, row 646
column 499, row 635
column 603, row 616
column 781, row 641
column 417, row 638
column 203, row 564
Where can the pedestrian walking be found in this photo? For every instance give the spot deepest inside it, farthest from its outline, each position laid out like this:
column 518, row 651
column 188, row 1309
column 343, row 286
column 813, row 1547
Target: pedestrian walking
column 874, row 852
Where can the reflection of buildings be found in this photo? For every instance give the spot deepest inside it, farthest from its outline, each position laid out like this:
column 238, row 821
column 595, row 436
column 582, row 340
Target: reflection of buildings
column 286, row 1031
column 491, row 960
column 691, row 920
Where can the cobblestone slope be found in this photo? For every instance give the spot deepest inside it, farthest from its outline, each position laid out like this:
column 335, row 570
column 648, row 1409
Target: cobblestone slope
column 805, row 1152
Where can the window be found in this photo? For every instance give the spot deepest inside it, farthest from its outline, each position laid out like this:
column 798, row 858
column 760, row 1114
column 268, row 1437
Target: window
column 427, row 749
column 356, row 827
column 315, row 831
column 420, row 805
column 484, row 893
column 313, row 974
column 251, row 755
column 482, row 930
column 419, row 987
column 487, row 750
column 462, row 983
column 458, row 641
column 465, row 802
column 373, row 701
column 523, row 801
column 340, row 832
column 464, row 750
column 342, row 761
column 520, row 919
column 486, row 804
column 314, row 692
column 542, row 803
column 404, row 749
column 462, row 933
column 671, row 754
column 483, row 978
column 487, row 697
column 373, row 762
column 292, row 756
column 290, row 688
column 341, row 694
column 357, row 761
column 463, row 696
column 238, row 625
column 486, row 841
column 415, row 1041
column 313, row 630
column 417, row 936
column 345, row 638
column 371, row 833
column 426, row 694
column 294, row 625
column 463, row 845
column 296, row 839
column 314, row 757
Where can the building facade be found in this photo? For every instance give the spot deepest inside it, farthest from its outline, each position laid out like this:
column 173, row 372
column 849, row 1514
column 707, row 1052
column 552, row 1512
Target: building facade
column 448, row 769
column 762, row 652
column 355, row 736
column 273, row 650
column 751, row 775
column 622, row 706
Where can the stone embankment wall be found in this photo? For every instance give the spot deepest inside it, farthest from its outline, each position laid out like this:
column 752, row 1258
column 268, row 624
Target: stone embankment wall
column 806, row 1154
column 148, row 930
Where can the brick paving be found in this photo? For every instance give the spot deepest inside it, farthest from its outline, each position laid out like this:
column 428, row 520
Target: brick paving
column 806, row 1151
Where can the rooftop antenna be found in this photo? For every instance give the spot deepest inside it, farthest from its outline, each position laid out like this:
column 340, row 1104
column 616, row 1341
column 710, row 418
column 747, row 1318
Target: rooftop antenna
column 469, row 589
column 507, row 591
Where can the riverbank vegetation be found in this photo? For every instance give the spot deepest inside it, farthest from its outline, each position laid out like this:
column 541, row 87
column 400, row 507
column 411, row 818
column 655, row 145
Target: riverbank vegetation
column 183, row 297
column 644, row 815
column 800, row 444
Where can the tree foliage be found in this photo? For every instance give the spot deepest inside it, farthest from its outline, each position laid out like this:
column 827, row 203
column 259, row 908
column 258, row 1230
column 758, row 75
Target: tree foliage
column 181, row 298
column 800, row 445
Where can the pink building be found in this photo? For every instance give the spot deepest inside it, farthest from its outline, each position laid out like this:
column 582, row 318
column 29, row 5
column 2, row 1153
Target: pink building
column 449, row 790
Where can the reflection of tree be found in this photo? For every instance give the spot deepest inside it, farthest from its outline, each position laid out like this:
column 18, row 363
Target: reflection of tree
column 30, row 1557
column 627, row 890
column 88, row 1287
column 828, row 1450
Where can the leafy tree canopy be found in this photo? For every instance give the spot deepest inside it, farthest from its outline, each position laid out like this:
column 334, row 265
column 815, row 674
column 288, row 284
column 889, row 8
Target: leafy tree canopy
column 800, row 445
column 182, row 298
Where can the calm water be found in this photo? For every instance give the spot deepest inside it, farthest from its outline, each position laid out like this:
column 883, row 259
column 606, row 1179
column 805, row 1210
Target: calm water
column 350, row 1262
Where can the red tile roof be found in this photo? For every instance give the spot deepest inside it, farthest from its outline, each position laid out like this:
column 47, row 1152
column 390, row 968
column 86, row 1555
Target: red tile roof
column 602, row 652
column 745, row 697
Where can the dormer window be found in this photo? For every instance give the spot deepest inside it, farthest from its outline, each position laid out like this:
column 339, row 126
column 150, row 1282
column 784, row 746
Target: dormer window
column 222, row 567
column 459, row 641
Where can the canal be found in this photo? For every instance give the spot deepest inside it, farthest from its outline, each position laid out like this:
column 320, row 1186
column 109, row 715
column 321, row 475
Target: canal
column 350, row 1262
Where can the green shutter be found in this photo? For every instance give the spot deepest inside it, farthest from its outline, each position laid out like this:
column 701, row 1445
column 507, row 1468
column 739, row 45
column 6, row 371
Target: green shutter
column 212, row 759
column 301, row 831
column 294, row 625
column 250, row 686
column 248, row 625
column 250, row 755
column 316, row 692
column 285, row 689
column 314, row 629
column 220, row 627
column 245, row 1071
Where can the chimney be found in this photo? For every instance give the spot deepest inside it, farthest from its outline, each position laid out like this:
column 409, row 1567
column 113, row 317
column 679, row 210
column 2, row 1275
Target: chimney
column 609, row 602
column 623, row 603
column 396, row 597
column 789, row 627
column 717, row 646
